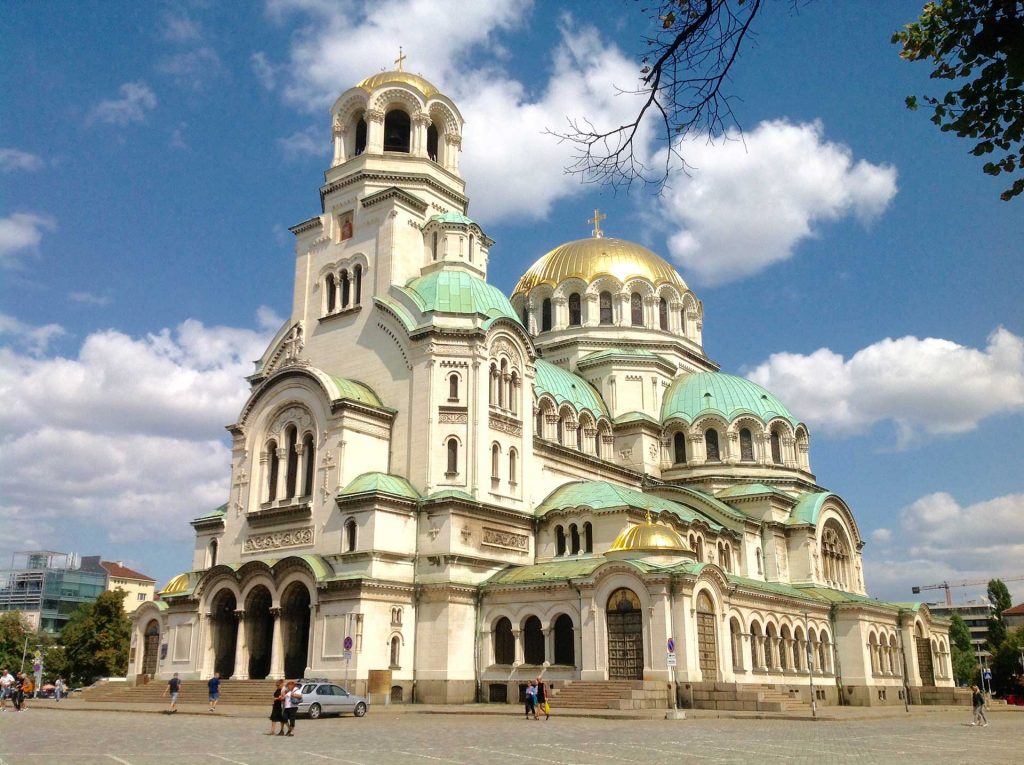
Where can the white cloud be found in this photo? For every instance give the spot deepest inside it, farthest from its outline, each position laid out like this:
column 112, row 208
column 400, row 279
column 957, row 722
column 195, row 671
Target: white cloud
column 311, row 142
column 747, row 204
column 178, row 137
column 940, row 540
column 16, row 159
column 127, row 436
column 35, row 340
column 88, row 298
column 192, row 68
column 923, row 386
column 21, row 233
column 136, row 100
column 265, row 72
column 179, row 27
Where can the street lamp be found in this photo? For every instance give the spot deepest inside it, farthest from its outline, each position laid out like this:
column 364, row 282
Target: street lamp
column 810, row 665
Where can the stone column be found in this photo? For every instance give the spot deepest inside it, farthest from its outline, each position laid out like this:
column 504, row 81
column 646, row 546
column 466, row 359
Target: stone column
column 517, row 638
column 453, row 145
column 241, row 671
column 300, row 469
column 374, row 131
column 560, row 306
column 206, row 668
column 549, row 644
column 276, row 646
column 282, row 472
column 592, row 314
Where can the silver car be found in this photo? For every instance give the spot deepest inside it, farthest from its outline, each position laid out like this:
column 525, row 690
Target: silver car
column 325, row 698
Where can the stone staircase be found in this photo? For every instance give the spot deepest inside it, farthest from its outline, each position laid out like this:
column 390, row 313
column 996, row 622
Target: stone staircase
column 232, row 692
column 611, row 694
column 743, row 698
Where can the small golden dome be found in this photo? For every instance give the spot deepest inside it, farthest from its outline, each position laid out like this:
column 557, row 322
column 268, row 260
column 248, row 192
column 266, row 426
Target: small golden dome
column 373, row 82
column 598, row 256
column 649, row 537
column 176, row 585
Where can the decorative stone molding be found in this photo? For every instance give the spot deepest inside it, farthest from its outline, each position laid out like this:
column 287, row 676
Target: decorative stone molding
column 452, row 417
column 505, row 425
column 277, row 540
column 506, row 539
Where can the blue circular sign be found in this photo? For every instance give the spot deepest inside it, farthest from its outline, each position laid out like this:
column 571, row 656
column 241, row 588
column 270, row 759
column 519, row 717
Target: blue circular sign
column 348, row 644
column 671, row 645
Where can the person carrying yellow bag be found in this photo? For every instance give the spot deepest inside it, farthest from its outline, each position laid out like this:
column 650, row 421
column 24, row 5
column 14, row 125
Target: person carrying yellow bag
column 542, row 700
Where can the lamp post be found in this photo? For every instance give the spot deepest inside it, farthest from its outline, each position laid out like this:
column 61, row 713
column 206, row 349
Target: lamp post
column 810, row 665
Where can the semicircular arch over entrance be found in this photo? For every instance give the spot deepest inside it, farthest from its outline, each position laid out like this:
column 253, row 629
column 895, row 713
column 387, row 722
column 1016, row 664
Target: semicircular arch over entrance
column 625, row 636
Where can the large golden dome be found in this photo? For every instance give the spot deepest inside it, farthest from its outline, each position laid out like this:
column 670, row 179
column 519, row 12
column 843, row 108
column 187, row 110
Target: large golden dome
column 648, row 537
column 596, row 256
column 373, row 82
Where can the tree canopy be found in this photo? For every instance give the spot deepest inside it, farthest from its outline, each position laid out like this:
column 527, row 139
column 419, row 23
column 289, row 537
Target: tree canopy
column 978, row 47
column 965, row 665
column 14, row 628
column 999, row 597
column 96, row 638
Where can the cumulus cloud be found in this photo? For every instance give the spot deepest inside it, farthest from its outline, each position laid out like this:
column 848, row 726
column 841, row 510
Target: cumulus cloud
column 179, row 27
column 265, row 72
column 21, row 233
column 88, row 298
column 938, row 539
column 748, row 204
column 33, row 339
column 136, row 101
column 924, row 386
column 311, row 142
column 192, row 68
column 128, row 435
column 12, row 160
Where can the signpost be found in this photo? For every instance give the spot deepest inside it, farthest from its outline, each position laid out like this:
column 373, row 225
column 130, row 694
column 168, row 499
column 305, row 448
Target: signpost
column 671, row 657
column 347, row 645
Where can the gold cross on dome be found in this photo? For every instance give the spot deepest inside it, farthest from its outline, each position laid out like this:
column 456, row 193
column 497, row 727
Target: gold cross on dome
column 400, row 61
column 596, row 220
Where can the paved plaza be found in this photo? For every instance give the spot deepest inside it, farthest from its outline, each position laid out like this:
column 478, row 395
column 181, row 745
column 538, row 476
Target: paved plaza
column 45, row 735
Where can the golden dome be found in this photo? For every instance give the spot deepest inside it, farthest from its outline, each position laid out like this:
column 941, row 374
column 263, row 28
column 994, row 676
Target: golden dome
column 373, row 82
column 176, row 585
column 649, row 537
column 596, row 256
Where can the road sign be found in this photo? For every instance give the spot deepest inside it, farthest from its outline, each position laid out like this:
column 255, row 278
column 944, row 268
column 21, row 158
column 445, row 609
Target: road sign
column 347, row 645
column 672, row 660
column 987, row 674
column 671, row 645
column 347, row 656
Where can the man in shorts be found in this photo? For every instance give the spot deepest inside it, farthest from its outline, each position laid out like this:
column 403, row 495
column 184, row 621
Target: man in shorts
column 6, row 683
column 214, row 685
column 173, row 689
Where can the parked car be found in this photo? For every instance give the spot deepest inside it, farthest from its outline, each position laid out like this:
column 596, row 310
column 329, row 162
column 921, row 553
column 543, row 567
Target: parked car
column 322, row 697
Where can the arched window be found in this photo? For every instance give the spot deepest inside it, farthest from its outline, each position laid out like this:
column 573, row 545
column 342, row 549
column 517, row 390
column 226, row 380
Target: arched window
column 433, row 246
column 533, row 641
column 502, row 375
column 545, row 315
column 579, row 436
column 453, row 456
column 597, row 444
column 663, row 314
column 350, row 535
column 357, row 274
column 736, row 643
column 432, row 142
column 636, row 310
column 760, row 568
column 332, row 295
column 360, row 136
column 453, row 387
column 345, row 289
column 574, row 539
column 575, row 312
column 291, row 439
column 513, row 392
column 492, row 389
column 835, row 553
column 273, row 466
column 605, row 302
column 679, row 447
column 504, row 642
column 495, row 458
column 309, row 455
column 565, row 644
column 746, row 445
column 539, row 425
column 776, row 448
column 560, row 431
column 588, row 537
column 513, row 466
column 396, row 648
column 397, row 131
column 711, row 445
column 472, row 244
column 213, row 553
column 559, row 540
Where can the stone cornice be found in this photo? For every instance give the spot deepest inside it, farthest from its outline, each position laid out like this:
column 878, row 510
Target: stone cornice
column 306, row 225
column 551, row 449
column 393, row 178
column 293, row 510
column 394, row 192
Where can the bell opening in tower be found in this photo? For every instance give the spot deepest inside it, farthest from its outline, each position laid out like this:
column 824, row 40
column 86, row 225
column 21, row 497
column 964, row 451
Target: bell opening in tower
column 432, row 142
column 360, row 135
column 397, row 131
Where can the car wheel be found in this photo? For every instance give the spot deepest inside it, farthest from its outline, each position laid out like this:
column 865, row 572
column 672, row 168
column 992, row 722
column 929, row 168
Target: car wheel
column 360, row 709
column 314, row 712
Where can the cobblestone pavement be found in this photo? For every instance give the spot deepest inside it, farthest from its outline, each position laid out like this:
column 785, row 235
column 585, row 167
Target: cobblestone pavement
column 86, row 737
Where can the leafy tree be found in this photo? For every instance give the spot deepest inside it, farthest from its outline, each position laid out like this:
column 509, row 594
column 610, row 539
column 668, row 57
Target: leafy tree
column 965, row 664
column 96, row 638
column 977, row 45
column 999, row 597
column 14, row 628
column 1006, row 662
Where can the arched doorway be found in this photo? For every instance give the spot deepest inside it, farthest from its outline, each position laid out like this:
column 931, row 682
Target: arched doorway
column 259, row 632
column 150, row 647
column 224, row 626
column 707, row 642
column 533, row 641
column 924, row 657
column 625, row 636
column 504, row 642
column 565, row 643
column 295, row 629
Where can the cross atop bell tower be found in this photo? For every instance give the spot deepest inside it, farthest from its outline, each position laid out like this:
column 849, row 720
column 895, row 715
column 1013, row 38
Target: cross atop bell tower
column 596, row 220
column 400, row 61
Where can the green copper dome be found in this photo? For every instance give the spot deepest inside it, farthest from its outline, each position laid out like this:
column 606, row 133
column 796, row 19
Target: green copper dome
column 564, row 386
column 451, row 291
column 694, row 395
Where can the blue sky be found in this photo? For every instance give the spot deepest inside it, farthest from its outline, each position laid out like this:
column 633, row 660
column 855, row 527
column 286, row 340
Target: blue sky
column 850, row 256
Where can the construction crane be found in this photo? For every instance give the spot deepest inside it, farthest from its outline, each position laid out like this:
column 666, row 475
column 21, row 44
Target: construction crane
column 972, row 583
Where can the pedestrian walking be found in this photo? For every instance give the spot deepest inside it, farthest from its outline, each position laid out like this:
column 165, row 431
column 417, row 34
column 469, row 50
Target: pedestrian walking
column 6, row 684
column 18, row 691
column 978, row 703
column 173, row 690
column 58, row 688
column 542, row 701
column 277, row 710
column 292, row 699
column 531, row 700
column 214, row 685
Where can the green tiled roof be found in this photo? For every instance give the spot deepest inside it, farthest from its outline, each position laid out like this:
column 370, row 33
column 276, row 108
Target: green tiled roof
column 451, row 291
column 614, row 352
column 628, row 417
column 693, row 395
column 322, row 570
column 356, row 391
column 808, row 508
column 380, row 483
column 565, row 386
column 453, row 217
column 547, row 572
column 751, row 490
column 838, row 596
column 600, row 495
column 450, row 494
column 216, row 513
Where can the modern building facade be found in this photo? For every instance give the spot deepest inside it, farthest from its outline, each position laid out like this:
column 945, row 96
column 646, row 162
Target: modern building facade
column 465, row 489
column 975, row 614
column 46, row 587
column 137, row 587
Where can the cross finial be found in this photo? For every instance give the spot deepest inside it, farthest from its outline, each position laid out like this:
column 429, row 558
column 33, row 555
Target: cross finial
column 596, row 220
column 400, row 61
column 649, row 521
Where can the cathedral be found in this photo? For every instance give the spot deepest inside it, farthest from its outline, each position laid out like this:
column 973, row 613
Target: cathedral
column 455, row 491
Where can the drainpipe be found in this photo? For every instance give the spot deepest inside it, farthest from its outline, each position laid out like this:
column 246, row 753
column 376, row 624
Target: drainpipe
column 835, row 656
column 579, row 659
column 476, row 642
column 903, row 654
column 671, row 631
column 415, row 635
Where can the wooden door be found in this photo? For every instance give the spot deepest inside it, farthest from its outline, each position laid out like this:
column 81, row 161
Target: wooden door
column 924, row 661
column 625, row 636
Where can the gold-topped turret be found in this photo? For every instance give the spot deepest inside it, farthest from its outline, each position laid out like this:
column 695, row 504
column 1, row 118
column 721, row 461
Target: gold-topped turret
column 649, row 537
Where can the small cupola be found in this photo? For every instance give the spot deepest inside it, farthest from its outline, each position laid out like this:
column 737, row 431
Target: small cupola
column 649, row 540
column 453, row 240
